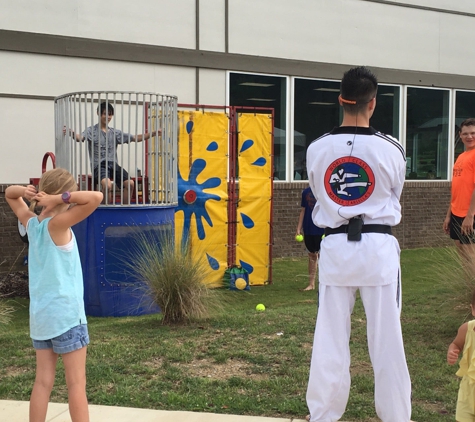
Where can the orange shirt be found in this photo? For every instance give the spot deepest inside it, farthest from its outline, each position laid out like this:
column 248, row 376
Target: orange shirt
column 463, row 183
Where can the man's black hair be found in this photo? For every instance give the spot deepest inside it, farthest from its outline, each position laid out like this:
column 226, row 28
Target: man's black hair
column 358, row 87
column 102, row 108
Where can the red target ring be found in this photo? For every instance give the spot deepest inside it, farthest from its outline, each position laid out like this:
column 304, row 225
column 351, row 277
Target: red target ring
column 189, row 196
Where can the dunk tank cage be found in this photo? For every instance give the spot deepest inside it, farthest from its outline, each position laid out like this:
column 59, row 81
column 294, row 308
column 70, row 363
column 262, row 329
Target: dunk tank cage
column 140, row 132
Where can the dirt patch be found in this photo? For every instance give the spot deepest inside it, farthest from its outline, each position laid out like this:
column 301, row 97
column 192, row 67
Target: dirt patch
column 14, row 284
column 206, row 368
column 14, row 371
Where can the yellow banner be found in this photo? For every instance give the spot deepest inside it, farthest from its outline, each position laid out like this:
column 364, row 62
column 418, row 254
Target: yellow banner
column 255, row 195
column 202, row 187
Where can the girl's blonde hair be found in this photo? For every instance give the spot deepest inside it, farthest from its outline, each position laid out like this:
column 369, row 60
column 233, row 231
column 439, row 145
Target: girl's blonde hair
column 54, row 182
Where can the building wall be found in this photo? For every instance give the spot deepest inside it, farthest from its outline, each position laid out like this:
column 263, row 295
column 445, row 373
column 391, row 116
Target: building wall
column 185, row 48
column 424, row 206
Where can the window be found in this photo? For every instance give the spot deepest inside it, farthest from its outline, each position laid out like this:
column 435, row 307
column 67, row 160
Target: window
column 464, row 108
column 316, row 112
column 427, row 133
column 386, row 115
column 268, row 92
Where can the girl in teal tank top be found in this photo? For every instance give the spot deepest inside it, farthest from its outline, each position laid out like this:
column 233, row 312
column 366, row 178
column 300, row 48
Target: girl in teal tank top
column 58, row 323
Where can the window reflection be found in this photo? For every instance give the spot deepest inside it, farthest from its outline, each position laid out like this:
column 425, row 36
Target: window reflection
column 427, row 133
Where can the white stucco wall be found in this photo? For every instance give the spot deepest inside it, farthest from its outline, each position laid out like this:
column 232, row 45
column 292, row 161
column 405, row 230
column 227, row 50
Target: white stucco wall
column 167, row 23
column 353, row 32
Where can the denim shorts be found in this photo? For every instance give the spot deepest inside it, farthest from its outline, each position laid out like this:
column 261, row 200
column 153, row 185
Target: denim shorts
column 74, row 339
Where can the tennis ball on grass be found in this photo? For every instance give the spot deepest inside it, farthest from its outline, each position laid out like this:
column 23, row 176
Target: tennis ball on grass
column 260, row 307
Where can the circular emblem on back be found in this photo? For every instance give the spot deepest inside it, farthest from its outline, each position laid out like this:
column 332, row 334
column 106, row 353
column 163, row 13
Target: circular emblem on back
column 349, row 181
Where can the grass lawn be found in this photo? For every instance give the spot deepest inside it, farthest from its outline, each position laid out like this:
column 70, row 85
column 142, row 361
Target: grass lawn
column 242, row 361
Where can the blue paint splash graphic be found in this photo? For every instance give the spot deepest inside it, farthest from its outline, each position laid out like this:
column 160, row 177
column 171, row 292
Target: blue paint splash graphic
column 248, row 267
column 213, row 146
column 246, row 145
column 261, row 162
column 247, row 221
column 198, row 208
column 213, row 262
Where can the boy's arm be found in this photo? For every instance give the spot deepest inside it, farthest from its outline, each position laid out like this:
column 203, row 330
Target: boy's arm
column 146, row 136
column 14, row 196
column 457, row 345
column 77, row 136
column 446, row 225
column 300, row 223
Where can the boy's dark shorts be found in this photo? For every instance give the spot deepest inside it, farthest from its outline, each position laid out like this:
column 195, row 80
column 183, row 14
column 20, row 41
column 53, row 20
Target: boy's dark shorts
column 455, row 234
column 113, row 172
column 312, row 242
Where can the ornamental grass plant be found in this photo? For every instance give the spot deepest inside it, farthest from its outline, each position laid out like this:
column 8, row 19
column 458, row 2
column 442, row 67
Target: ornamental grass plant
column 175, row 276
column 5, row 312
column 457, row 273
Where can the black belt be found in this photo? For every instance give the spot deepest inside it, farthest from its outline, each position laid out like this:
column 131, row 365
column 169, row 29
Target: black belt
column 367, row 228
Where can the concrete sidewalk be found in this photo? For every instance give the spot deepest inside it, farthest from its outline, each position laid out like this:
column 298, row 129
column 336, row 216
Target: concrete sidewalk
column 17, row 411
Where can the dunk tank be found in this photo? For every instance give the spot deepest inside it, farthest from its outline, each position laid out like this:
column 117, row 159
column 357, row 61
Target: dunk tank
column 144, row 127
column 205, row 172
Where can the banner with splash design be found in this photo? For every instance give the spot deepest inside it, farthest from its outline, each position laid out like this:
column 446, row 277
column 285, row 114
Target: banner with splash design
column 202, row 188
column 255, row 195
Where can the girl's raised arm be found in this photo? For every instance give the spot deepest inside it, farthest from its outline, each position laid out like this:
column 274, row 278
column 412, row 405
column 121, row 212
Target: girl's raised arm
column 14, row 196
column 85, row 202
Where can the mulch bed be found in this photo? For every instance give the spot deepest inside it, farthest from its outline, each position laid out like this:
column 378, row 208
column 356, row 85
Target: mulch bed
column 14, row 284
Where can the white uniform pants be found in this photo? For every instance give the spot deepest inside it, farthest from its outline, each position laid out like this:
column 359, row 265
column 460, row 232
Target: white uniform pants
column 329, row 382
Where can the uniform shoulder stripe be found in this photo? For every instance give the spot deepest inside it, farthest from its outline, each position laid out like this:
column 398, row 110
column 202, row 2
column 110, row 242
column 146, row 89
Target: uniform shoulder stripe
column 392, row 141
column 323, row 136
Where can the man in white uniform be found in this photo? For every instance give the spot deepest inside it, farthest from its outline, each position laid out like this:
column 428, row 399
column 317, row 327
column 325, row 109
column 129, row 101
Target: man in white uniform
column 356, row 174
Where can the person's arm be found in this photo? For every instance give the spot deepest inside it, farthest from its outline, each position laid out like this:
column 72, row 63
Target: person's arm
column 14, row 196
column 78, row 137
column 457, row 345
column 446, row 225
column 300, row 223
column 85, row 203
column 146, row 136
column 467, row 223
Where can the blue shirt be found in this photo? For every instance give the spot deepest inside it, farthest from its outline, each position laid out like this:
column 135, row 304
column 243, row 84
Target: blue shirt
column 55, row 284
column 308, row 202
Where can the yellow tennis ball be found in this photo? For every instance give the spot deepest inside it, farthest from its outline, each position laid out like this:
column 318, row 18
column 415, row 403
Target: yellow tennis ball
column 240, row 284
column 299, row 238
column 260, row 307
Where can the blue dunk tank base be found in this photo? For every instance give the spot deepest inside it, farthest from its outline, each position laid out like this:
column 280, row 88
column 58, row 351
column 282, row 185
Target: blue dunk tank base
column 105, row 240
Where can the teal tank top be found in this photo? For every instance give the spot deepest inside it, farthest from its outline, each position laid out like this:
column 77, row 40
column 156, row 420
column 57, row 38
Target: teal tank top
column 55, row 284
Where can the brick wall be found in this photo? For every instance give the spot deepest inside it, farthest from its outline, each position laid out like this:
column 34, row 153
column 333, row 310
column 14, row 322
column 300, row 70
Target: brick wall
column 12, row 249
column 424, row 205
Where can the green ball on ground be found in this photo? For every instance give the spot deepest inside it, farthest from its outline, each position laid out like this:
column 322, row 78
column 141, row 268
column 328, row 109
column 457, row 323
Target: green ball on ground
column 260, row 307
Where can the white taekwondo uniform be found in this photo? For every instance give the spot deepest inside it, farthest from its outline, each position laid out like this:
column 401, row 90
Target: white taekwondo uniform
column 358, row 172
